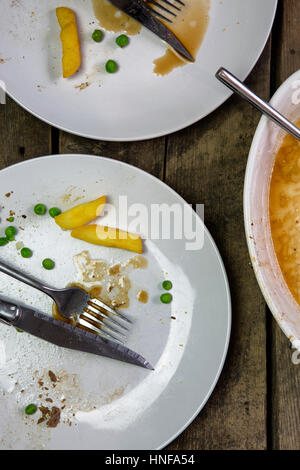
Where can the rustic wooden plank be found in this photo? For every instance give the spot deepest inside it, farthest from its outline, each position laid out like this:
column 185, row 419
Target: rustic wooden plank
column 205, row 164
column 148, row 155
column 22, row 135
column 285, row 380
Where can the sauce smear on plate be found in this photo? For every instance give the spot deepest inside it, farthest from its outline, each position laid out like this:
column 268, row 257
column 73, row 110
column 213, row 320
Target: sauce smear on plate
column 284, row 206
column 112, row 19
column 189, row 26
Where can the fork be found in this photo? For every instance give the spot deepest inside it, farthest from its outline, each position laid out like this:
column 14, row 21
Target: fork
column 169, row 10
column 150, row 12
column 77, row 306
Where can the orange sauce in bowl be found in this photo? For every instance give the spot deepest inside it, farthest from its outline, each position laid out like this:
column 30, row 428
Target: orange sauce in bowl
column 284, row 209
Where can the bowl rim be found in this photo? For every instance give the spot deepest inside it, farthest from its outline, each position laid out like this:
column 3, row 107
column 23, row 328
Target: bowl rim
column 284, row 324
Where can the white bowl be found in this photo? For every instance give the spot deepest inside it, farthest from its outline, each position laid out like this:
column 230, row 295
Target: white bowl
column 266, row 142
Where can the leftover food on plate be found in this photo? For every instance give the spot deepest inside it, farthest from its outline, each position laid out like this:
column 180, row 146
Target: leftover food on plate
column 190, row 27
column 75, row 219
column 284, row 203
column 108, row 236
column 189, row 24
column 109, row 283
column 71, row 59
column 81, row 214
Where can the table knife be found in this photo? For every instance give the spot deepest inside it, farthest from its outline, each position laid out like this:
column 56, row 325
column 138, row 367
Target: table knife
column 66, row 335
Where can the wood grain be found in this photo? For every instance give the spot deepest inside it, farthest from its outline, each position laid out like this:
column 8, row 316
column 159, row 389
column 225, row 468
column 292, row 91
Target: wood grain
column 148, row 155
column 211, row 156
column 256, row 403
column 285, row 376
column 22, row 136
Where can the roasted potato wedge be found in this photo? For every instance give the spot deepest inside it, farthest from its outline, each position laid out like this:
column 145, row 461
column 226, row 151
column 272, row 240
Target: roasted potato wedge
column 71, row 59
column 81, row 214
column 107, row 236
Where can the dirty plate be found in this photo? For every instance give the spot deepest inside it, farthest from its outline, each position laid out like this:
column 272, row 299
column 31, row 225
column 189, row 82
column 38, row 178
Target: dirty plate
column 132, row 104
column 106, row 404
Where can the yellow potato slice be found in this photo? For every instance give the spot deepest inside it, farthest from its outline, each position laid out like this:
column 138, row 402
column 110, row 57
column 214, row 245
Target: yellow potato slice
column 107, row 236
column 81, row 214
column 71, row 59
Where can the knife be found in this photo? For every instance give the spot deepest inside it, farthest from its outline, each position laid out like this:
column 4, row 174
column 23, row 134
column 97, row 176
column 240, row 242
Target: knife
column 66, row 335
column 139, row 11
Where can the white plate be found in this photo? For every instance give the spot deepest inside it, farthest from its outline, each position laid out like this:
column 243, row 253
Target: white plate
column 133, row 104
column 135, row 408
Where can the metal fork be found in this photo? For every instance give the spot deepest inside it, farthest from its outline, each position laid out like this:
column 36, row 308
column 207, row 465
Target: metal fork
column 78, row 307
column 171, row 9
column 149, row 13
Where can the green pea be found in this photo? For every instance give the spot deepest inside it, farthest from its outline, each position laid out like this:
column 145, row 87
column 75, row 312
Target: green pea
column 48, row 263
column 167, row 285
column 40, row 209
column 19, row 331
column 31, row 409
column 11, row 219
column 166, row 298
column 122, row 40
column 26, row 252
column 10, row 232
column 54, row 211
column 111, row 66
column 97, row 35
column 3, row 241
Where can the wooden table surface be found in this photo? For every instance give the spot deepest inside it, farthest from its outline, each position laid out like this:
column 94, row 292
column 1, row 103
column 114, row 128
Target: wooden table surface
column 256, row 404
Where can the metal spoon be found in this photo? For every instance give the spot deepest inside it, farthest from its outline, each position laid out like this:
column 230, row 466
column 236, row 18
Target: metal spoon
column 238, row 87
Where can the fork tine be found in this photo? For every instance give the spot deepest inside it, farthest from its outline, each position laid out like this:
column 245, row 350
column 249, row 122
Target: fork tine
column 88, row 323
column 98, row 303
column 179, row 1
column 153, row 2
column 154, row 12
column 96, row 310
column 96, row 320
column 171, row 4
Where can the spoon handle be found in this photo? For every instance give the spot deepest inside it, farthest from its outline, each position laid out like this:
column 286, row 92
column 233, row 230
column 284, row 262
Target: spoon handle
column 238, row 87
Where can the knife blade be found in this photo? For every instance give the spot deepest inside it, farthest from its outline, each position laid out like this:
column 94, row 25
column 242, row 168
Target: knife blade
column 139, row 11
column 66, row 335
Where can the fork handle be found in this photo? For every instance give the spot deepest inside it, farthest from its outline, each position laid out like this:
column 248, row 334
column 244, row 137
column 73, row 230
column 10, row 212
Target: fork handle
column 25, row 278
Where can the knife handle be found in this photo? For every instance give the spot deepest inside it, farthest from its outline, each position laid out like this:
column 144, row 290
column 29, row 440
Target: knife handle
column 9, row 313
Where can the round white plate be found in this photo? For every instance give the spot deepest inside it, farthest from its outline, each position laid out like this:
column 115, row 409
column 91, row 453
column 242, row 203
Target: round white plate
column 128, row 407
column 133, row 104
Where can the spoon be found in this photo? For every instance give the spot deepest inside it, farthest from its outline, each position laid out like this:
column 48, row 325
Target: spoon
column 240, row 89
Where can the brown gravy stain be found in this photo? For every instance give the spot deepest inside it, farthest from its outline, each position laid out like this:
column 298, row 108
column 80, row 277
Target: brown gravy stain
column 112, row 19
column 110, row 284
column 284, row 206
column 138, row 262
column 142, row 296
column 190, row 27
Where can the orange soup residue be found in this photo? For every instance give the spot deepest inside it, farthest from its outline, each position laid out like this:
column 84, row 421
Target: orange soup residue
column 284, row 206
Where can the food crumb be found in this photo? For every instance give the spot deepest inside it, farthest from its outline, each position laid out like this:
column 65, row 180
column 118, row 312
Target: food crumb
column 83, row 85
column 52, row 376
column 142, row 296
